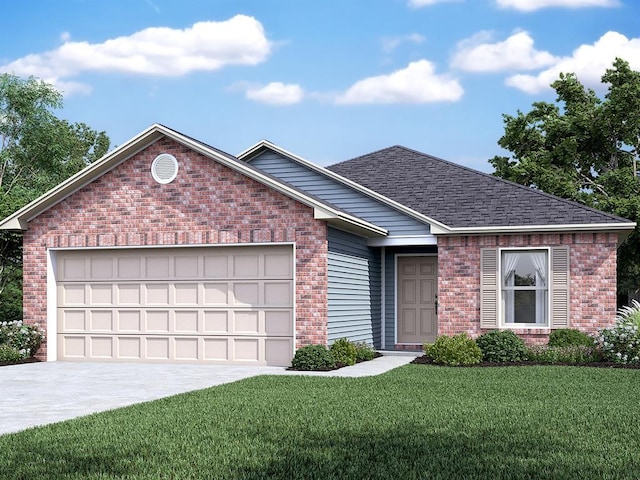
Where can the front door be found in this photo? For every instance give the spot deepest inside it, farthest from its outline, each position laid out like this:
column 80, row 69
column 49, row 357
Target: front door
column 417, row 284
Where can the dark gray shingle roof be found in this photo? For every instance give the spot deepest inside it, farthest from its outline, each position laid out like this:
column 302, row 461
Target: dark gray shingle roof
column 459, row 196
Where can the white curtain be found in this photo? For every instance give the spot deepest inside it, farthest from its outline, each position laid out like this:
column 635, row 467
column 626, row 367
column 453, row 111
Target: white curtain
column 509, row 263
column 539, row 260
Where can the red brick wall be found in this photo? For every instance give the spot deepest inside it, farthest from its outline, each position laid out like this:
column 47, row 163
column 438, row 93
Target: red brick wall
column 592, row 280
column 206, row 204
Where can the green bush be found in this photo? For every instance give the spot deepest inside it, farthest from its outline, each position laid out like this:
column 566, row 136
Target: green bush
column 454, row 350
column 502, row 346
column 569, row 354
column 9, row 354
column 313, row 357
column 344, row 352
column 564, row 337
column 26, row 339
column 364, row 352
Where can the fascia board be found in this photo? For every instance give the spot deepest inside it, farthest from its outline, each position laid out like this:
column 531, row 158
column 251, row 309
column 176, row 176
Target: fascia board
column 564, row 228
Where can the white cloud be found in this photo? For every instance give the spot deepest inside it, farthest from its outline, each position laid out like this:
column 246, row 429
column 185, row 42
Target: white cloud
column 65, row 36
column 417, row 83
column 159, row 51
column 276, row 93
column 389, row 44
column 532, row 5
column 588, row 62
column 475, row 54
column 426, row 3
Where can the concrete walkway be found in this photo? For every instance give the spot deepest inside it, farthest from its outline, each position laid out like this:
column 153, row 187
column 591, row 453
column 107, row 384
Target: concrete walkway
column 35, row 394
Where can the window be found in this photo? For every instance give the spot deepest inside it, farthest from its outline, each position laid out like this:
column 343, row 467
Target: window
column 524, row 288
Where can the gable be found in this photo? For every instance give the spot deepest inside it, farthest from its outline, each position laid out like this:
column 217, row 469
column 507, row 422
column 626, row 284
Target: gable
column 336, row 193
column 322, row 210
column 206, row 198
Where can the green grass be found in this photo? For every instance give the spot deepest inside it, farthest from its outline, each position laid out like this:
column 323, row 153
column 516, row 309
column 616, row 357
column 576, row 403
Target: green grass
column 418, row 421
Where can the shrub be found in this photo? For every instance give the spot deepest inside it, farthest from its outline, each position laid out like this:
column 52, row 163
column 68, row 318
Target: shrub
column 313, row 357
column 620, row 343
column 454, row 350
column 564, row 337
column 364, row 352
column 26, row 339
column 569, row 354
column 502, row 346
column 9, row 354
column 344, row 352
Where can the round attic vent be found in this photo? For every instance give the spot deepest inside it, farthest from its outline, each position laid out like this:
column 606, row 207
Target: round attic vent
column 164, row 168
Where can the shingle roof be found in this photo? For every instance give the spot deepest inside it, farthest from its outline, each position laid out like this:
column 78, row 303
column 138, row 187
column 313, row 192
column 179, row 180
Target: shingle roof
column 459, row 196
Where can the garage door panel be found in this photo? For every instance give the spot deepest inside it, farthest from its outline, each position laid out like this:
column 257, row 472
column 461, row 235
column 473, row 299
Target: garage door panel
column 101, row 347
column 278, row 323
column 216, row 321
column 278, row 351
column 246, row 266
column 129, row 321
column 186, row 267
column 186, row 294
column 129, row 267
column 129, row 348
column 216, row 266
column 156, row 267
column 277, row 293
column 100, row 294
column 156, row 294
column 128, row 294
column 246, row 293
column 216, row 294
column 216, row 305
column 157, row 321
column 72, row 294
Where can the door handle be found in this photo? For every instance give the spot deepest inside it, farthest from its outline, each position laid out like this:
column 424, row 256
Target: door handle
column 436, row 304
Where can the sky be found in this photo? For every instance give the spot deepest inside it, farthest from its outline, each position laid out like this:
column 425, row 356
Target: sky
column 328, row 80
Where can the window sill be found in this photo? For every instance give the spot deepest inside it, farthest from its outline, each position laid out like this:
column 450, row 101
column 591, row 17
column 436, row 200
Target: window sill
column 528, row 330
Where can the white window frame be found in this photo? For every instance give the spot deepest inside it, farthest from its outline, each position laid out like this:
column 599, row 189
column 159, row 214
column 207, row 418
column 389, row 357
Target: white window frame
column 501, row 307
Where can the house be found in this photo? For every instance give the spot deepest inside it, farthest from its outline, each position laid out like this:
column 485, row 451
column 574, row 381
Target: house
column 168, row 249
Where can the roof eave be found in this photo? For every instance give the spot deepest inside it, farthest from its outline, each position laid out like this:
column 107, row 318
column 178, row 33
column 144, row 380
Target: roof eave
column 560, row 228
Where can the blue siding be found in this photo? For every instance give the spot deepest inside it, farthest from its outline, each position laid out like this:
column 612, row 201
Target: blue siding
column 390, row 288
column 354, row 289
column 339, row 195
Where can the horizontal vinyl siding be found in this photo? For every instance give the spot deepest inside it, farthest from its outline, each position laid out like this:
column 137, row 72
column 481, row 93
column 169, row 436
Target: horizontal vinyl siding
column 339, row 195
column 354, row 289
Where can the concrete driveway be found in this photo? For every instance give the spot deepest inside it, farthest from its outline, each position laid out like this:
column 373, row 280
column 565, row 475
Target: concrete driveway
column 39, row 393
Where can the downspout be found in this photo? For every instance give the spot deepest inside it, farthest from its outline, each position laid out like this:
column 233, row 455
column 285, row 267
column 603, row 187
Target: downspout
column 383, row 303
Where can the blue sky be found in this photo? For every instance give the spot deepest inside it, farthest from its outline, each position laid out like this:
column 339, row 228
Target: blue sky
column 327, row 80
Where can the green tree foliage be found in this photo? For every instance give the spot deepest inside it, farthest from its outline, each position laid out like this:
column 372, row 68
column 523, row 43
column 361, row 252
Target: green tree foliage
column 37, row 151
column 583, row 148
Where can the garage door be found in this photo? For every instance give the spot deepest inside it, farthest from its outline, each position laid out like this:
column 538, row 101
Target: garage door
column 210, row 305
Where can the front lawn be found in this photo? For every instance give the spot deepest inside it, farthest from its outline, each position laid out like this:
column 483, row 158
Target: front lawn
column 417, row 421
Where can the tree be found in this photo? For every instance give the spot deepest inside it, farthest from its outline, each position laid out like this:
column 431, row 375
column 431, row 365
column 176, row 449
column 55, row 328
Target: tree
column 584, row 148
column 37, row 151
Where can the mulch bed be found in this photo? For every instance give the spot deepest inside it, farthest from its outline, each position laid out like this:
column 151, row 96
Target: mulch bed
column 424, row 360
column 26, row 360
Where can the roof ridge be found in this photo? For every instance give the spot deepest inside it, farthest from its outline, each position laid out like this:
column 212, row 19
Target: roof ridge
column 499, row 180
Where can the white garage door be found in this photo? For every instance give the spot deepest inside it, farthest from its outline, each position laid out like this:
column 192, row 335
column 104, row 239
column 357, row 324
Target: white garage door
column 195, row 304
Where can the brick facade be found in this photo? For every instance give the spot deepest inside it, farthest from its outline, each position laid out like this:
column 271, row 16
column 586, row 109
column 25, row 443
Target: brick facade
column 592, row 287
column 206, row 204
